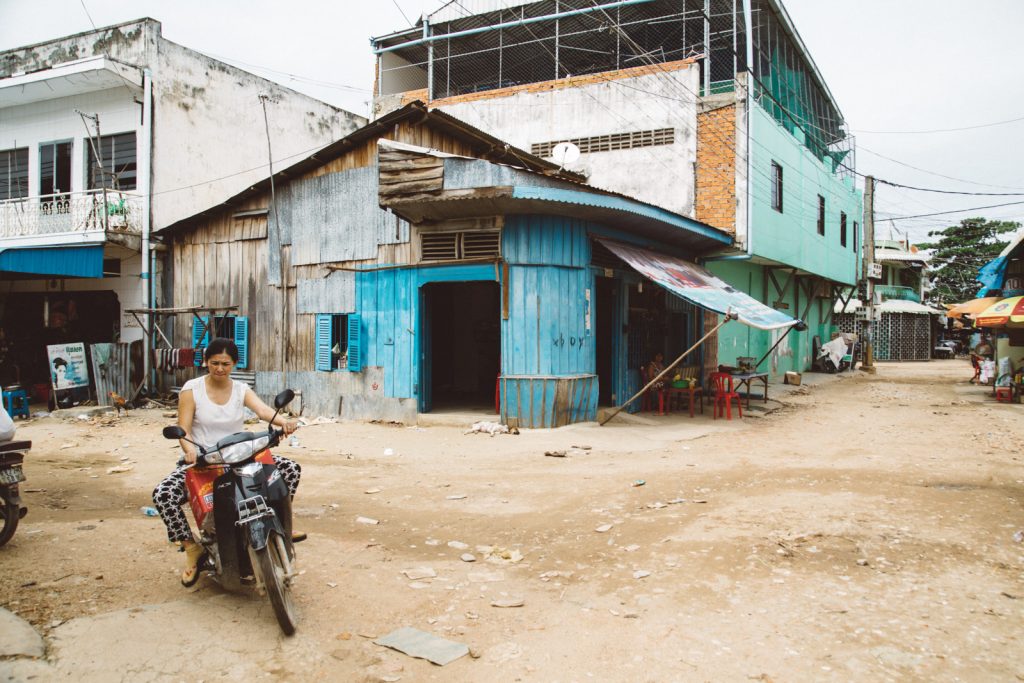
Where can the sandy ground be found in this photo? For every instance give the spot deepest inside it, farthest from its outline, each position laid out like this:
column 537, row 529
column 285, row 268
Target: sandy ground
column 863, row 531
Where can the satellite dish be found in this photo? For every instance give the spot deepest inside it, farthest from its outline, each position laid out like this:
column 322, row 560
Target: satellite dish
column 565, row 153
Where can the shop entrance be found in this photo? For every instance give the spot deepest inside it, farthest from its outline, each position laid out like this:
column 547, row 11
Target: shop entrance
column 461, row 345
column 606, row 299
column 31, row 321
column 659, row 322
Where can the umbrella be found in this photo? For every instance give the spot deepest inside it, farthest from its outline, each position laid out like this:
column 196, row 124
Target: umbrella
column 1005, row 312
column 972, row 307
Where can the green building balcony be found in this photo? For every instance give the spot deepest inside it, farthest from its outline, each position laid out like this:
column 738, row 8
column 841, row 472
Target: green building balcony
column 897, row 292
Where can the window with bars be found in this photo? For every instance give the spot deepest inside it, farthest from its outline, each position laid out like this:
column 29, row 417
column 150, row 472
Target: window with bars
column 856, row 234
column 118, row 156
column 842, row 228
column 821, row 215
column 339, row 342
column 460, row 245
column 14, row 173
column 777, row 186
column 610, row 142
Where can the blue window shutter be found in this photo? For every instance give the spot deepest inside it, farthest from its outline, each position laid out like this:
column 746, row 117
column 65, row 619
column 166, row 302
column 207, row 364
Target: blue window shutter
column 242, row 341
column 323, row 342
column 355, row 347
column 199, row 341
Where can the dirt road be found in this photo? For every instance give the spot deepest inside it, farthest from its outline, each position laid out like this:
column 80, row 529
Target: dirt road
column 864, row 531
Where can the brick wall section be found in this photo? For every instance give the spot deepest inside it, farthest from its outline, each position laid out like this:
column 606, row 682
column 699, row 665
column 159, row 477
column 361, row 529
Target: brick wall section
column 716, row 168
column 547, row 86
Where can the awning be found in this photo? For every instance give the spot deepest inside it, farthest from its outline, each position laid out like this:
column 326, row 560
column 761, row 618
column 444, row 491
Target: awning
column 698, row 286
column 77, row 261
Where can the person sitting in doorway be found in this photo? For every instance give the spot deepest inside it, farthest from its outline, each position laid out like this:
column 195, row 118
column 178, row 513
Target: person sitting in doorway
column 655, row 368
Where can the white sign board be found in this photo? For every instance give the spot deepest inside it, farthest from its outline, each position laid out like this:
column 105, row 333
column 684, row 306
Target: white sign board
column 68, row 368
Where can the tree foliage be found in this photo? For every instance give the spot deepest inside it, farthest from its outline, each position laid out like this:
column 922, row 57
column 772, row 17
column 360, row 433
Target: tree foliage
column 958, row 254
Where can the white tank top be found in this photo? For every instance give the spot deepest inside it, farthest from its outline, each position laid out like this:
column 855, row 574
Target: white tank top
column 212, row 422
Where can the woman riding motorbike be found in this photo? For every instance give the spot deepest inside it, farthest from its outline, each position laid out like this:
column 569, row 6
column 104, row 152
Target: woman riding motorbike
column 209, row 408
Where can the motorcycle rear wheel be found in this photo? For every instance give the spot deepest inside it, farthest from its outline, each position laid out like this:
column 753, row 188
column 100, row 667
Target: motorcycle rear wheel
column 272, row 571
column 11, row 516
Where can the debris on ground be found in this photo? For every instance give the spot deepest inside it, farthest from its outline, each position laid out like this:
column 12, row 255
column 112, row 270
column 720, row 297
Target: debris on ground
column 555, row 454
column 603, row 528
column 420, row 573
column 366, row 520
column 639, row 482
column 458, row 545
column 508, row 602
column 372, row 491
column 423, row 645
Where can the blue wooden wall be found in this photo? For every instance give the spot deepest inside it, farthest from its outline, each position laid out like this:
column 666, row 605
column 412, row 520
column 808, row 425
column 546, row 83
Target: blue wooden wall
column 388, row 301
column 546, row 332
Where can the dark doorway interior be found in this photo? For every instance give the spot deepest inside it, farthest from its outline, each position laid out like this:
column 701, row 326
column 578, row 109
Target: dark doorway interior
column 606, row 300
column 31, row 321
column 465, row 344
column 659, row 322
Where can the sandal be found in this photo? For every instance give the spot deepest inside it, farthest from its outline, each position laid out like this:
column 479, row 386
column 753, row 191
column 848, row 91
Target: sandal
column 194, row 554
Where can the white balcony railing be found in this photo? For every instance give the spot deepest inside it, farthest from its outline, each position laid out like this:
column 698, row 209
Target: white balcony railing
column 72, row 212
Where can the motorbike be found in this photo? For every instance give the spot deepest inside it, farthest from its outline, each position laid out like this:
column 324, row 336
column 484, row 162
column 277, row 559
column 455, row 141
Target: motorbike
column 12, row 454
column 243, row 511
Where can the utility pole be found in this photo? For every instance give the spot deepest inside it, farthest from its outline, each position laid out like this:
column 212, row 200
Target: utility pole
column 869, row 261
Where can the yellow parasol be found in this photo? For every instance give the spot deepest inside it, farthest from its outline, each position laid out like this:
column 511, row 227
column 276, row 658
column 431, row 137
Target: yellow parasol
column 972, row 307
column 1003, row 313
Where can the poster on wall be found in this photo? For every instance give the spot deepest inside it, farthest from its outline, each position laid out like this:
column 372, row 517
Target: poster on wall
column 67, row 365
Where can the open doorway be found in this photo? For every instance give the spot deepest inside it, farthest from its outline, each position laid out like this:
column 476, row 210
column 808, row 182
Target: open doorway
column 606, row 291
column 462, row 345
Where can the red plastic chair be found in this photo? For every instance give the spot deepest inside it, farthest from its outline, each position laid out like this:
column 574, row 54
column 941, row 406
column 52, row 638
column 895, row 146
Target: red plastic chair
column 725, row 394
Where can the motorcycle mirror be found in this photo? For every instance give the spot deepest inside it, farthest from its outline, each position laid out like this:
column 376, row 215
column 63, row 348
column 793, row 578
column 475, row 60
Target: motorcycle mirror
column 174, row 432
column 284, row 398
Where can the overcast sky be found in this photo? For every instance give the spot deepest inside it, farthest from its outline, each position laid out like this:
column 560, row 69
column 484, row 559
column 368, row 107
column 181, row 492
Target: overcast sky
column 892, row 65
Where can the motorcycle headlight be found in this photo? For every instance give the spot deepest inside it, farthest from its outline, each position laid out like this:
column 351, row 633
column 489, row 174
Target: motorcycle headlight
column 241, row 452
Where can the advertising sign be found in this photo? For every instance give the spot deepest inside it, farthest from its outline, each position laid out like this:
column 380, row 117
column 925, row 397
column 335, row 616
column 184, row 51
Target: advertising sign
column 68, row 368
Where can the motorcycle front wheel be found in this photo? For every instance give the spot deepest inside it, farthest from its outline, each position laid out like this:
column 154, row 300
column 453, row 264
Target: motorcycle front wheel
column 11, row 515
column 272, row 570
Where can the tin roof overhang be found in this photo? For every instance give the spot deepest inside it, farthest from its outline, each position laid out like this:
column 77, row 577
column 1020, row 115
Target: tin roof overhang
column 629, row 215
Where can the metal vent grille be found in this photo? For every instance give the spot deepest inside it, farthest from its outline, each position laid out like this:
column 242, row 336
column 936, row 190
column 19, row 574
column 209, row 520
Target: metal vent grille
column 460, row 246
column 440, row 246
column 613, row 141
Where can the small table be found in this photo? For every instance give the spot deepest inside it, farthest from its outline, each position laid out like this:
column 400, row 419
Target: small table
column 694, row 394
column 745, row 378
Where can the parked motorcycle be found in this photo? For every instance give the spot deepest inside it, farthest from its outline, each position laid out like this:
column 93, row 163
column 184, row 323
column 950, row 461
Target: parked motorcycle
column 12, row 454
column 243, row 510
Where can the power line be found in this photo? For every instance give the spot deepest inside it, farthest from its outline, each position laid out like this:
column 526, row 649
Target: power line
column 939, row 130
column 400, row 11
column 923, row 170
column 930, row 189
column 943, row 213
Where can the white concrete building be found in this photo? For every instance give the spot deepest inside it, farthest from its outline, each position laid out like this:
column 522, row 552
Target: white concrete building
column 106, row 137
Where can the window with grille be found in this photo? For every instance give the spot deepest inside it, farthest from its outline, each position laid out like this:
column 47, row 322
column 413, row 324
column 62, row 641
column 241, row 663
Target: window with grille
column 14, row 173
column 821, row 215
column 842, row 228
column 611, row 142
column 118, row 167
column 449, row 244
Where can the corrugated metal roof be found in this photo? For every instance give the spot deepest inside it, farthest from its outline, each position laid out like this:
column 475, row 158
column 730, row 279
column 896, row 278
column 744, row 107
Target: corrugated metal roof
column 890, row 306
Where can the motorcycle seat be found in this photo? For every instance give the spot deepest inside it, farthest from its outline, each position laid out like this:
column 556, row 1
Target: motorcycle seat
column 15, row 446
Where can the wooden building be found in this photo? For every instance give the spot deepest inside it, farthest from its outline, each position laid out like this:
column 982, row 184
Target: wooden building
column 420, row 264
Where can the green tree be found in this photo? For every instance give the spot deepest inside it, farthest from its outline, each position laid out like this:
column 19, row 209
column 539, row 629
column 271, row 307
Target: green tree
column 958, row 254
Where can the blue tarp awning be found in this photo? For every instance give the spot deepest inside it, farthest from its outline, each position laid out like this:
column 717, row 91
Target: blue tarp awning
column 75, row 261
column 697, row 285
